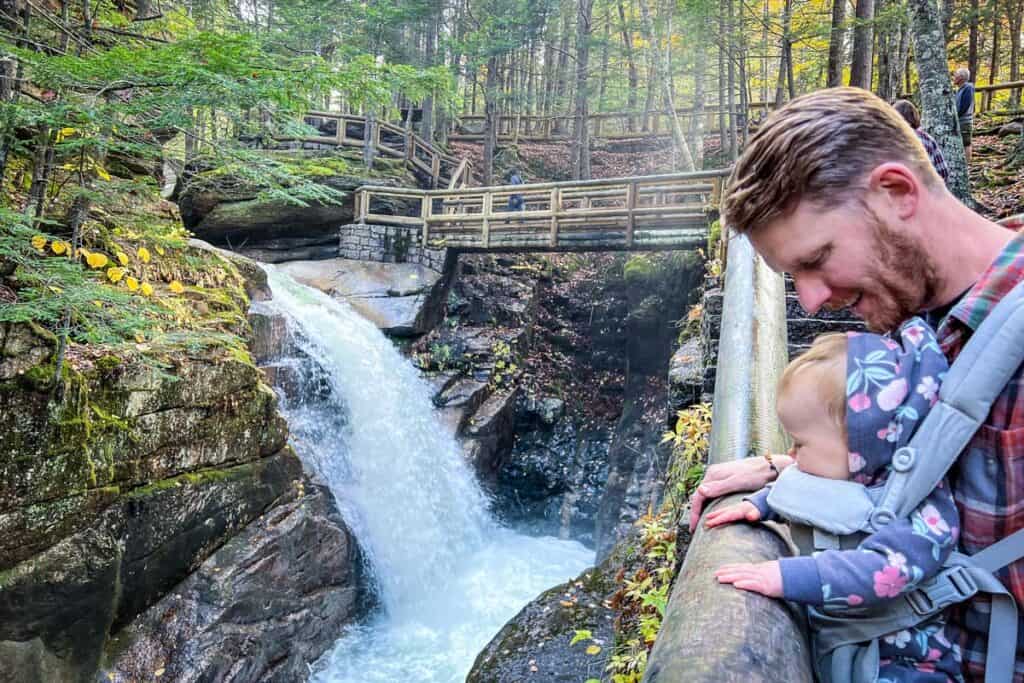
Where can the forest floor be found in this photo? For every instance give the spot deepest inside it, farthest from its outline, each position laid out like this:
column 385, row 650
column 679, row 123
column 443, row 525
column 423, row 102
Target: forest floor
column 997, row 187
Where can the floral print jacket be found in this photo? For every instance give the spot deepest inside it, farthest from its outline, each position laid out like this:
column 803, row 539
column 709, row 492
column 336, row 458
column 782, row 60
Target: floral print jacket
column 891, row 385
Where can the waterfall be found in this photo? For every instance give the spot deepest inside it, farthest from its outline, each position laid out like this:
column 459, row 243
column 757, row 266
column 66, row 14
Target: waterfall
column 448, row 574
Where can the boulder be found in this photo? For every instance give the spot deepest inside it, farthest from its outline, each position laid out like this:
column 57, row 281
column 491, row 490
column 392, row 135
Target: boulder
column 402, row 299
column 534, row 645
column 257, row 609
column 1011, row 128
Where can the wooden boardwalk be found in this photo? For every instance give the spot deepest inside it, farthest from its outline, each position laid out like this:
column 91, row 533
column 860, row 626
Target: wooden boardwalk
column 658, row 212
column 620, row 125
column 433, row 166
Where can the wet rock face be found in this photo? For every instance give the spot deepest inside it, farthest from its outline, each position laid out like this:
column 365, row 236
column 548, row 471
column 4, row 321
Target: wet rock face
column 261, row 608
column 586, row 461
column 402, row 299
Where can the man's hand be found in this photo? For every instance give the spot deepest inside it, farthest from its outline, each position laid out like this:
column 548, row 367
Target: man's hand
column 764, row 577
column 748, row 474
column 733, row 513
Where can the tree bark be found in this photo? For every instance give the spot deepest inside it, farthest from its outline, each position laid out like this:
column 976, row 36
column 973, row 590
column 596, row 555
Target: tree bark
column 729, row 38
column 581, row 137
column 429, row 55
column 937, row 109
column 835, row 44
column 490, row 120
column 699, row 73
column 683, row 149
column 634, row 78
column 972, row 48
column 1014, row 12
column 993, row 65
column 860, row 69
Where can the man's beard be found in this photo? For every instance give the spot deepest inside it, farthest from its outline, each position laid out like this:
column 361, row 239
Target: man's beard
column 905, row 278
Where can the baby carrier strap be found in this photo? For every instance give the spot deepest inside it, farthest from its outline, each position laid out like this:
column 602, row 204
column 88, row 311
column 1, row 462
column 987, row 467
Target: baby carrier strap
column 976, row 378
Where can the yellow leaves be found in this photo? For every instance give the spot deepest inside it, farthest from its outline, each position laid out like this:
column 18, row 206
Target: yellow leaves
column 143, row 254
column 139, row 337
column 102, row 172
column 97, row 303
column 39, row 242
column 65, row 133
column 60, row 247
column 132, row 283
column 176, row 287
column 115, row 274
column 159, row 250
column 593, row 649
column 122, row 258
column 55, row 289
column 146, row 289
column 96, row 260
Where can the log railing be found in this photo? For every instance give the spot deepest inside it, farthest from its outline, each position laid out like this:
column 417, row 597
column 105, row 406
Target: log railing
column 388, row 140
column 985, row 92
column 644, row 212
column 714, row 633
column 615, row 125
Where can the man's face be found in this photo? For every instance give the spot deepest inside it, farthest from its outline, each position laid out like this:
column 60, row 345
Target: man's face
column 848, row 257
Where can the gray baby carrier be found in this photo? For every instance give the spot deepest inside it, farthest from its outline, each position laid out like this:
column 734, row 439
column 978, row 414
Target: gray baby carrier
column 845, row 639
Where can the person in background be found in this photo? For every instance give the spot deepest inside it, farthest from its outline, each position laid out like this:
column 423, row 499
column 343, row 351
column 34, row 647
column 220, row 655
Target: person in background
column 965, row 107
column 910, row 114
column 515, row 201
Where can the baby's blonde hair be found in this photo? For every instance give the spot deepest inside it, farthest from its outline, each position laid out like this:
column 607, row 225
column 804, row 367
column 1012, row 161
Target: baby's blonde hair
column 827, row 358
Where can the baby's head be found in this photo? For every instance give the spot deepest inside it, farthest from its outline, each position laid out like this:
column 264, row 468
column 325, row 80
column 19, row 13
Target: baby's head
column 812, row 407
column 852, row 399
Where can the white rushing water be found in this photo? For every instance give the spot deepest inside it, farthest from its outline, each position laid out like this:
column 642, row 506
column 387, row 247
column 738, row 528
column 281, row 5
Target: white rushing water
column 449, row 576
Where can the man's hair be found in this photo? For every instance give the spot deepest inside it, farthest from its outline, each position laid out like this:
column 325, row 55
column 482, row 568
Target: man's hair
column 819, row 147
column 827, row 360
column 908, row 111
column 963, row 72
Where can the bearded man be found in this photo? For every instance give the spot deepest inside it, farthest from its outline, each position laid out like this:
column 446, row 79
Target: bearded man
column 837, row 190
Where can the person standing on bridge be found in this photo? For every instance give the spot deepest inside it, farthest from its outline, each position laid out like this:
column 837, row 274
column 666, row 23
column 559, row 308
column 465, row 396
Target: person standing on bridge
column 837, row 190
column 515, row 201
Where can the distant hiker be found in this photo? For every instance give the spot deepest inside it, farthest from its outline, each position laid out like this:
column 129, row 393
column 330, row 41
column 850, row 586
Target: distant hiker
column 965, row 107
column 910, row 114
column 515, row 201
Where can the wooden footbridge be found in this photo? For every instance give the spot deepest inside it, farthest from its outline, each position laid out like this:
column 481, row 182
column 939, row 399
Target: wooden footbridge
column 655, row 212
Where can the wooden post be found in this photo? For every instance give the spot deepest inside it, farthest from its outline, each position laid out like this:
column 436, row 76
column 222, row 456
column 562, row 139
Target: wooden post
column 361, row 206
column 426, row 207
column 556, row 206
column 630, row 205
column 435, row 169
column 716, row 192
column 340, row 133
column 487, row 205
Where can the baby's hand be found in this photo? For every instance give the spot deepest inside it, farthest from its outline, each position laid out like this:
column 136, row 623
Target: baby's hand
column 733, row 513
column 764, row 577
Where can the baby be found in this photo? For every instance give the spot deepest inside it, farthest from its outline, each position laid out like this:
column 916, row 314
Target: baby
column 848, row 403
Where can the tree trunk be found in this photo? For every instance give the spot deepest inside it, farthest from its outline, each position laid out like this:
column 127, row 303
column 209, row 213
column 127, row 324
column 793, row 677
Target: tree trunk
column 562, row 82
column 429, row 55
column 686, row 159
column 860, row 69
column 1014, row 12
column 581, row 136
column 606, row 41
column 490, row 120
column 835, row 44
column 937, row 109
column 634, row 77
column 993, row 65
column 730, row 58
column 972, row 49
column 699, row 73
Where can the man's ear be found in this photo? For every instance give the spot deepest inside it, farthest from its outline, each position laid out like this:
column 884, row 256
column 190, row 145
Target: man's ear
column 897, row 186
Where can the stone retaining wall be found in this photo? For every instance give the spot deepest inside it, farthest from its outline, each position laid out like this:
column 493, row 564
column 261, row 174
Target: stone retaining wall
column 388, row 244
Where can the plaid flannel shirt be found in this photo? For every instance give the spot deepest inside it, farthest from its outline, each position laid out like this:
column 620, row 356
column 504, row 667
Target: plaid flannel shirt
column 988, row 478
column 934, row 153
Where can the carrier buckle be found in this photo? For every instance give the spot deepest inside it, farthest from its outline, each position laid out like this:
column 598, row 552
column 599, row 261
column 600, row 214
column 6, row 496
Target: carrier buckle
column 948, row 588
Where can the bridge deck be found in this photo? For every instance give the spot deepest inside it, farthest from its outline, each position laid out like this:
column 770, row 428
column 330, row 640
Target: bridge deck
column 669, row 211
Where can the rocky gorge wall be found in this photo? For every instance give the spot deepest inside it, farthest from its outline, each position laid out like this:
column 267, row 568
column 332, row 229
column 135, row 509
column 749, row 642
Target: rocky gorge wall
column 151, row 511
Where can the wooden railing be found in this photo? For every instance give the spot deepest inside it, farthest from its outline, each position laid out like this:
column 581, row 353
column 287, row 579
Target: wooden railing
column 985, row 92
column 615, row 125
column 644, row 212
column 389, row 140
